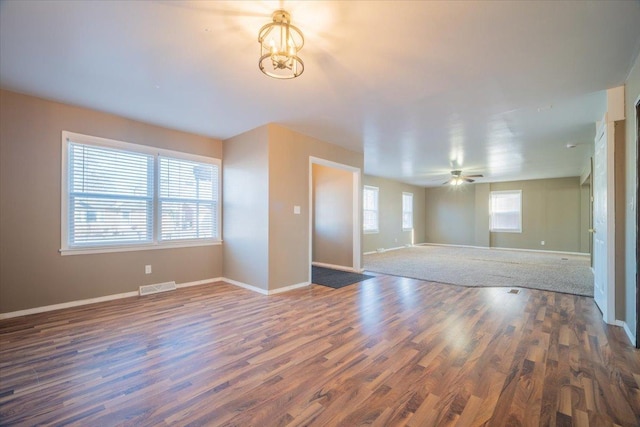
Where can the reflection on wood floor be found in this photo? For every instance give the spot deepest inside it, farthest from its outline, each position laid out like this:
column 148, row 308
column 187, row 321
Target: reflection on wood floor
column 388, row 351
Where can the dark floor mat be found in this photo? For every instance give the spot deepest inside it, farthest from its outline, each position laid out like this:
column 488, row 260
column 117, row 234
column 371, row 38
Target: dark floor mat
column 335, row 278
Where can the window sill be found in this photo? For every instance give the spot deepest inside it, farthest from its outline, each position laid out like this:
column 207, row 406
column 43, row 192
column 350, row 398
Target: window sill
column 111, row 249
column 371, row 231
column 505, row 231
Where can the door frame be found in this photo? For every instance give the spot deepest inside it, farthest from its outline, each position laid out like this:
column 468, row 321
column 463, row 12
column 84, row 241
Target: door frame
column 357, row 197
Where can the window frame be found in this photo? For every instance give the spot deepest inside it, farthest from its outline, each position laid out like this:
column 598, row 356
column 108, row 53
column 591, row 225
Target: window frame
column 404, row 228
column 376, row 191
column 156, row 242
column 491, row 221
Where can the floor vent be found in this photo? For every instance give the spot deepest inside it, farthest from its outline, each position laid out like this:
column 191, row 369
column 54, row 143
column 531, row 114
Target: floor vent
column 158, row 287
column 514, row 291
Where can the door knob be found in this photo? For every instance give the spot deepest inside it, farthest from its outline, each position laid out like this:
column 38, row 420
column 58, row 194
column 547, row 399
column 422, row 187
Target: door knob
column 592, row 230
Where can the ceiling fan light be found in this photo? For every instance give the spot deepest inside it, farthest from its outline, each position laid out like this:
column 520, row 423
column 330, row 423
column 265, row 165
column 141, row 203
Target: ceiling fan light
column 280, row 43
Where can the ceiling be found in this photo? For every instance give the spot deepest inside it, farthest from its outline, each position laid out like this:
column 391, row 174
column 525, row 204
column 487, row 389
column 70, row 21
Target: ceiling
column 498, row 88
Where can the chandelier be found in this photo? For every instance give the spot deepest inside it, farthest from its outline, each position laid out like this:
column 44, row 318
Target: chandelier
column 280, row 43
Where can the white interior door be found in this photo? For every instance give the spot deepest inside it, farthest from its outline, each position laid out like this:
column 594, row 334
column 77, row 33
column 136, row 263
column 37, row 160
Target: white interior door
column 602, row 214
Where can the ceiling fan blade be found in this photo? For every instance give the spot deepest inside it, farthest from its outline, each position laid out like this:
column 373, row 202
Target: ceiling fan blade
column 469, row 180
column 446, row 182
column 475, row 176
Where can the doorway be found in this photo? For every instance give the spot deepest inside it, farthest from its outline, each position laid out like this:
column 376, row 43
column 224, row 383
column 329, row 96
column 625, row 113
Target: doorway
column 334, row 220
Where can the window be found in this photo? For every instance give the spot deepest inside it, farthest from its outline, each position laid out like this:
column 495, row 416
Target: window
column 119, row 196
column 407, row 211
column 187, row 199
column 506, row 211
column 370, row 209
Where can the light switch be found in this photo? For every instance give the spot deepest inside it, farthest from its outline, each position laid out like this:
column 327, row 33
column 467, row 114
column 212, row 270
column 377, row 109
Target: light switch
column 296, row 210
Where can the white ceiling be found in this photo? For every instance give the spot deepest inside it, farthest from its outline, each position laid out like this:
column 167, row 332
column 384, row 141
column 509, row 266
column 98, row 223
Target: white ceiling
column 413, row 85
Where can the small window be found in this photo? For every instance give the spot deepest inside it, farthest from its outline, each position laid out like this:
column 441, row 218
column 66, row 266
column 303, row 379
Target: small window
column 505, row 211
column 370, row 209
column 120, row 196
column 407, row 211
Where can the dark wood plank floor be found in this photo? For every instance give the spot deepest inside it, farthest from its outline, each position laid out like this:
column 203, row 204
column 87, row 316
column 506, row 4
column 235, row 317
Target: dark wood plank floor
column 389, row 351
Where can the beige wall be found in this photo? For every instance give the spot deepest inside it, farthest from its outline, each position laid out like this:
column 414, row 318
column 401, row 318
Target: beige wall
column 482, row 235
column 390, row 233
column 245, row 208
column 451, row 215
column 628, row 297
column 32, row 272
column 289, row 154
column 332, row 238
column 551, row 211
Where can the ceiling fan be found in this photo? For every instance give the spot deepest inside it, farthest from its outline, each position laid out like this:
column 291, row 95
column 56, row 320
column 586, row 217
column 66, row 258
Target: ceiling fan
column 458, row 179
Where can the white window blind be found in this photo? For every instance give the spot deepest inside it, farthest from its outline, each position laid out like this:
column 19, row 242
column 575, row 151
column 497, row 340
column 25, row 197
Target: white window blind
column 122, row 196
column 370, row 209
column 110, row 196
column 407, row 211
column 188, row 197
column 506, row 211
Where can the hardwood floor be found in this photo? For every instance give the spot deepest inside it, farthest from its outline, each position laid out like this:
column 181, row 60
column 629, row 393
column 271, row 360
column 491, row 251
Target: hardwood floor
column 389, row 351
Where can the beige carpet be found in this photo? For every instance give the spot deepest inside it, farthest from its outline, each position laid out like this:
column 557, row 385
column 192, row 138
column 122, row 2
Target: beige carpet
column 487, row 267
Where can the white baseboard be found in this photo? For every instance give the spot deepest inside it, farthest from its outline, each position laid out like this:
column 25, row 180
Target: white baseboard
column 625, row 326
column 542, row 251
column 505, row 249
column 77, row 303
column 335, row 267
column 245, row 286
column 264, row 291
column 288, row 288
column 454, row 246
column 199, row 282
column 388, row 249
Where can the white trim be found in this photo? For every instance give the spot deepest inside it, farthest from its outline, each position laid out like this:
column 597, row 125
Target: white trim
column 584, row 254
column 335, row 267
column 625, row 326
column 105, row 298
column 455, row 246
column 245, row 286
column 506, row 249
column 106, row 249
column 376, row 190
column 288, row 288
column 68, row 137
column 199, row 282
column 504, row 230
column 264, row 291
column 356, row 211
column 406, row 193
column 69, row 304
column 390, row 249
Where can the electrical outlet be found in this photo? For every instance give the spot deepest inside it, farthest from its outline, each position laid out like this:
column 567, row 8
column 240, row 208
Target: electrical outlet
column 147, row 269
column 542, row 242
